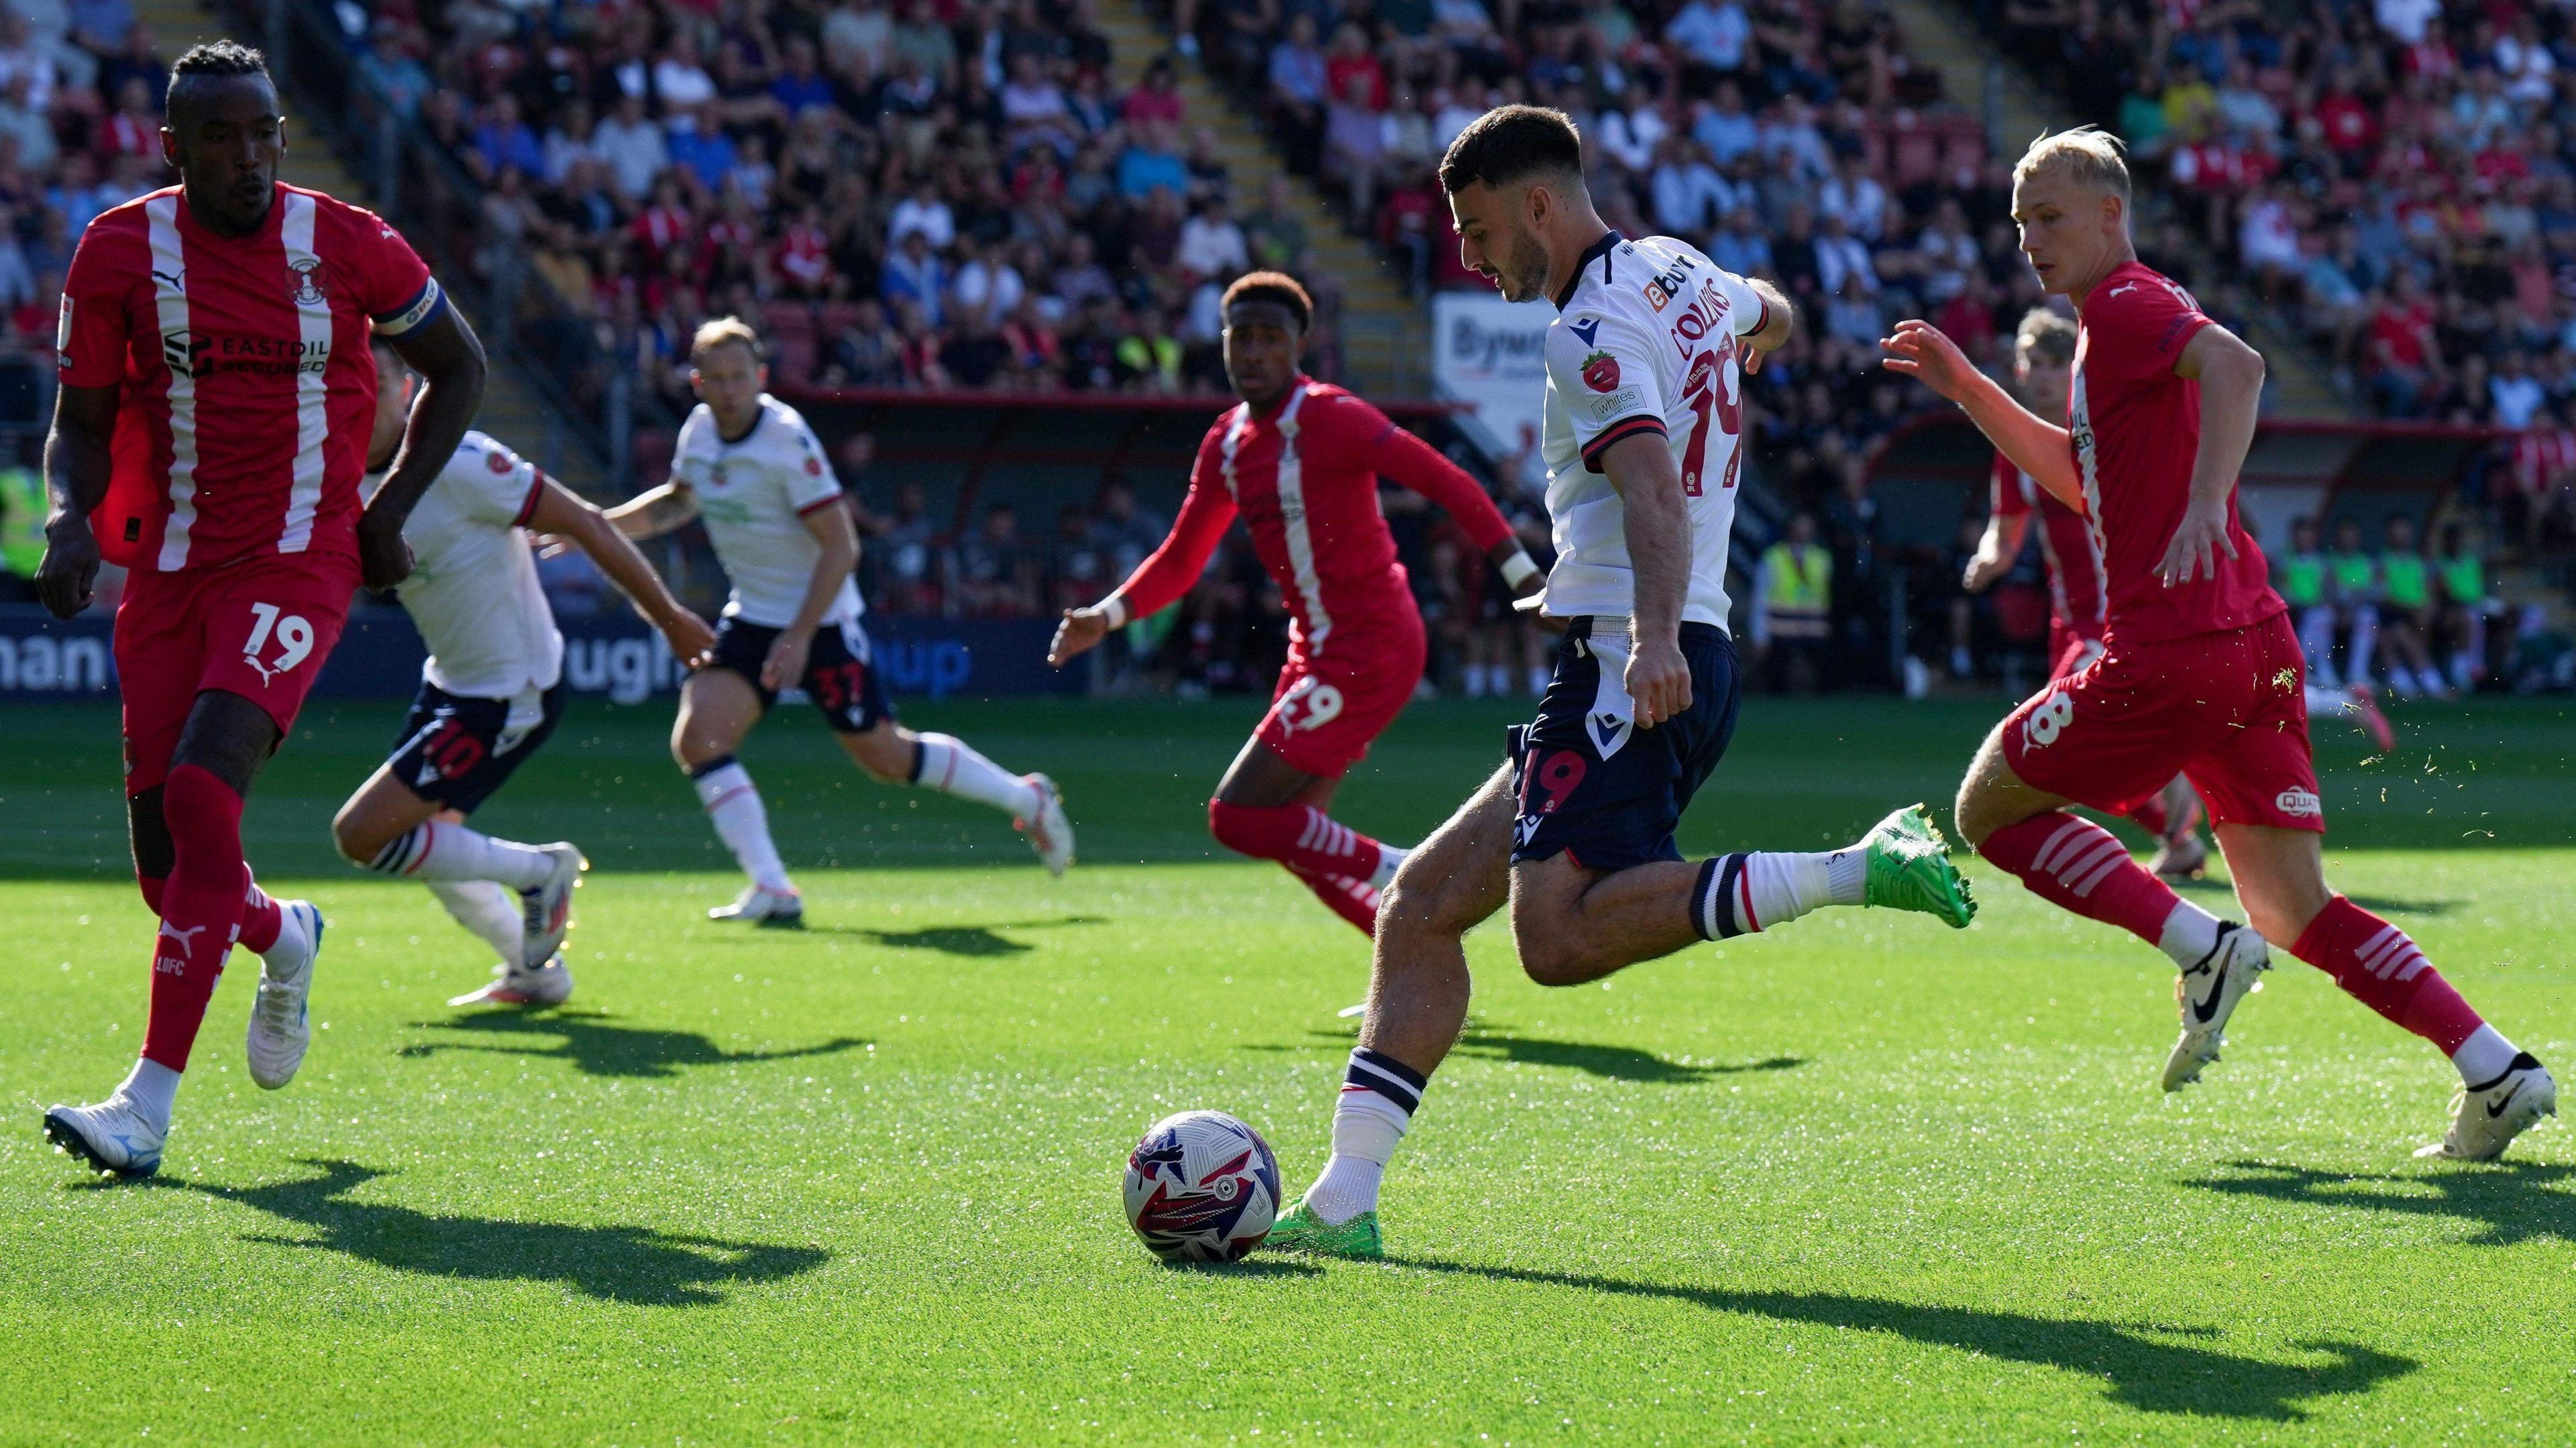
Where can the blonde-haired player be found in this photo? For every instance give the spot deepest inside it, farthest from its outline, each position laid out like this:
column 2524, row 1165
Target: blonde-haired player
column 747, row 465
column 2201, row 673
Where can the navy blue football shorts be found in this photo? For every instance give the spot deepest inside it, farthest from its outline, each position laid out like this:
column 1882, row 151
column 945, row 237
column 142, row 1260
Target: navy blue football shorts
column 1593, row 785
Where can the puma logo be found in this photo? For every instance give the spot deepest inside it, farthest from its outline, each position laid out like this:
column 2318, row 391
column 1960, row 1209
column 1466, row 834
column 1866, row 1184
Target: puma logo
column 187, row 938
column 266, row 674
column 2124, row 287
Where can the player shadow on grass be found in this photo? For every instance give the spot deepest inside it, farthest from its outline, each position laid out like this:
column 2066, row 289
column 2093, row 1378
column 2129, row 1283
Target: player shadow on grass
column 2512, row 1202
column 2144, row 1369
column 597, row 1048
column 632, row 1265
column 967, row 940
column 1611, row 1063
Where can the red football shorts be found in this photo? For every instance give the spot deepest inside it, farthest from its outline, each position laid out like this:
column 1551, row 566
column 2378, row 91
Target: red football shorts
column 2069, row 651
column 259, row 628
column 1328, row 707
column 2228, row 710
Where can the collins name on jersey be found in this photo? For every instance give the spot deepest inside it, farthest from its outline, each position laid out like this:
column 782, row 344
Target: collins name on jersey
column 1644, row 343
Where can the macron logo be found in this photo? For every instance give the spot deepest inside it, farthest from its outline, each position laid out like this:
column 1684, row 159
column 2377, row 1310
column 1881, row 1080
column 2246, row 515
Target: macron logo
column 1587, row 329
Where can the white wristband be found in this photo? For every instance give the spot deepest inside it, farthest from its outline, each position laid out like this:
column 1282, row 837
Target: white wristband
column 1115, row 605
column 1518, row 569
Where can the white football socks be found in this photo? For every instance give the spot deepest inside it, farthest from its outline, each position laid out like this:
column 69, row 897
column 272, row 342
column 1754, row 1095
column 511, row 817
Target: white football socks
column 1389, row 860
column 1740, row 894
column 494, row 914
column 153, row 1088
column 2190, row 934
column 1378, row 1099
column 950, row 765
column 2484, row 1056
column 733, row 804
column 438, row 851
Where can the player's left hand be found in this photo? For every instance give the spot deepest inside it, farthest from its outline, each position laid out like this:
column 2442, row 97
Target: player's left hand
column 2197, row 544
column 384, row 559
column 1659, row 681
column 785, row 666
column 691, row 641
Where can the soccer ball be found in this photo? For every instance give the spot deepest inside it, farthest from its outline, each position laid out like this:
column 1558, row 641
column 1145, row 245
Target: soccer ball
column 1202, row 1187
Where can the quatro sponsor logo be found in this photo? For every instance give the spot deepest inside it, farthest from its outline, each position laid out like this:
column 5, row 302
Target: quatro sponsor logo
column 2299, row 803
column 1601, row 372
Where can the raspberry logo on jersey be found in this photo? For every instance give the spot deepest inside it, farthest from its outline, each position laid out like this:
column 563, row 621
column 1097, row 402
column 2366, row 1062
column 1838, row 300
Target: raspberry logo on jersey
column 305, row 282
column 1601, row 372
column 498, row 462
column 2049, row 720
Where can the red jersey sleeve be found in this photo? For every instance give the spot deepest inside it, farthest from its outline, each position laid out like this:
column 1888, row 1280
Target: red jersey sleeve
column 1162, row 578
column 394, row 284
column 2139, row 322
column 1398, row 456
column 92, row 334
column 2006, row 499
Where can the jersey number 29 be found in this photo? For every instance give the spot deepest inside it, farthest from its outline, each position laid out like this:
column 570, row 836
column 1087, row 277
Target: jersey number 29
column 1711, row 396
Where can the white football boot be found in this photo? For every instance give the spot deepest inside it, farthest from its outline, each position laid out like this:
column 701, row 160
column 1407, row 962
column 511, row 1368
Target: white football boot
column 112, row 1136
column 781, row 909
column 2485, row 1118
column 548, row 985
column 1051, row 832
column 549, row 906
column 279, row 1026
column 2207, row 993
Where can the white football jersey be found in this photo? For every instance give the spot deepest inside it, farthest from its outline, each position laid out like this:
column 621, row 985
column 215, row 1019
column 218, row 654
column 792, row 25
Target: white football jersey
column 473, row 590
column 753, row 494
column 1644, row 343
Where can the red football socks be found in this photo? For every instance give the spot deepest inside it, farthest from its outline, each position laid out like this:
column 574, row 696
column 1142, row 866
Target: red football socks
column 202, row 909
column 1353, row 900
column 2379, row 966
column 2078, row 865
column 1298, row 836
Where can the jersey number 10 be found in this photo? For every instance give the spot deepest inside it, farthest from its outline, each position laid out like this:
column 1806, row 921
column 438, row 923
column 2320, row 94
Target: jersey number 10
column 1707, row 397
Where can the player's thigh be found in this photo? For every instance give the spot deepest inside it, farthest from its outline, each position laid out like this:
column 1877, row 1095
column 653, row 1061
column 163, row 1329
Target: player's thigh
column 1460, row 875
column 717, row 708
column 1991, row 796
column 2280, row 877
column 1260, row 778
column 1329, row 709
column 383, row 810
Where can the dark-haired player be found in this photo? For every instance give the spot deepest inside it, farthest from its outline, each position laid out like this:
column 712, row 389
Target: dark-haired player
column 2202, row 672
column 1299, row 461
column 1645, row 367
column 217, row 397
column 490, row 693
column 748, row 466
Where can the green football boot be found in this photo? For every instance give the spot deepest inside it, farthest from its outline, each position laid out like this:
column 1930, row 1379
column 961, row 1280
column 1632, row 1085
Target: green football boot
column 1910, row 869
column 1300, row 1230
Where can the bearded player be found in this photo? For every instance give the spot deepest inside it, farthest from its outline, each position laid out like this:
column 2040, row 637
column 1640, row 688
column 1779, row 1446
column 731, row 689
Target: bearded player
column 2201, row 671
column 217, row 397
column 490, row 693
column 748, row 465
column 1645, row 375
column 1299, row 461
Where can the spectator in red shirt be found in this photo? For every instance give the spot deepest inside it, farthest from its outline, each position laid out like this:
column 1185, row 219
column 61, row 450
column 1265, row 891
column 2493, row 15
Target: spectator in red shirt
column 2401, row 344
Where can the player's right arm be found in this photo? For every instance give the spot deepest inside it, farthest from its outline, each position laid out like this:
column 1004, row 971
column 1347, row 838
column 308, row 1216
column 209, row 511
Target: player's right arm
column 657, row 511
column 566, row 514
column 1162, row 577
column 92, row 339
column 2037, row 446
column 77, row 466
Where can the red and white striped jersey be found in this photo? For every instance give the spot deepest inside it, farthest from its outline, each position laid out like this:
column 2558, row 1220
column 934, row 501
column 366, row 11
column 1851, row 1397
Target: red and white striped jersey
column 1304, row 479
column 2543, row 456
column 246, row 389
column 2066, row 542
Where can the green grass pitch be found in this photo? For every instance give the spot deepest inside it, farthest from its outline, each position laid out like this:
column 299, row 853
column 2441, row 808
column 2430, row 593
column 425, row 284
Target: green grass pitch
column 1865, row 1180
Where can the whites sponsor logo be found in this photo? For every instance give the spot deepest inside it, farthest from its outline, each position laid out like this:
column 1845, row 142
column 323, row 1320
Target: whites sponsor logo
column 2298, row 803
column 1617, row 404
column 2049, row 720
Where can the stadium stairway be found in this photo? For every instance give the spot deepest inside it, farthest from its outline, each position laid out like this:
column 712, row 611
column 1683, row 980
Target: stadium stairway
column 512, row 411
column 1386, row 337
column 1973, row 70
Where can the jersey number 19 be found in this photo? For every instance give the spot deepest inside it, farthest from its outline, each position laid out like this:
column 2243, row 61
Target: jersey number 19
column 1705, row 394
